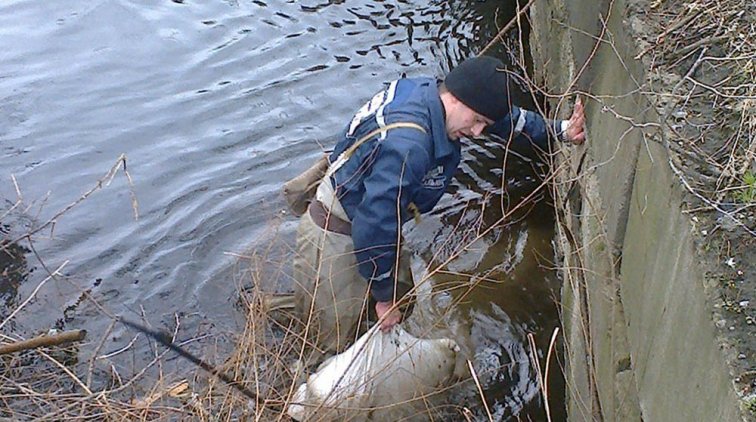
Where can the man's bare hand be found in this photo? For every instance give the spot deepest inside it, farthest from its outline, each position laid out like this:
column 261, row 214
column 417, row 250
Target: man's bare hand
column 387, row 317
column 575, row 132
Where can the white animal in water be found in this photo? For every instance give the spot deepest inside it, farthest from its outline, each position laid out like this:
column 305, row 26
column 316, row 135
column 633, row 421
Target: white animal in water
column 383, row 376
column 386, row 376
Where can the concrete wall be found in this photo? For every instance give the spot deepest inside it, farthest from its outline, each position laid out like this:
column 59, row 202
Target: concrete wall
column 640, row 338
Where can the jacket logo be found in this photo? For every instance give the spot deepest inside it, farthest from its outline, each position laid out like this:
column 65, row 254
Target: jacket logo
column 434, row 179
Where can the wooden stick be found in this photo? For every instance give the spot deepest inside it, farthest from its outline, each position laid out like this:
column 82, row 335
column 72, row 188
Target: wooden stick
column 42, row 341
column 165, row 340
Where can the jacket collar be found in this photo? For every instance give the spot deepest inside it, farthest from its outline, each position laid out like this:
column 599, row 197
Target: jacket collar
column 442, row 145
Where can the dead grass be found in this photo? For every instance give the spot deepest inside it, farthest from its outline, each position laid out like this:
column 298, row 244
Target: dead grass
column 706, row 51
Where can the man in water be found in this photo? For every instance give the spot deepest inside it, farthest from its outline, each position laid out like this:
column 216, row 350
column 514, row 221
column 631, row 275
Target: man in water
column 394, row 161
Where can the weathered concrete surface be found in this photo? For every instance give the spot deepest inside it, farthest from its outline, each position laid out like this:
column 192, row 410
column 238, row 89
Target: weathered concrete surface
column 641, row 341
column 672, row 334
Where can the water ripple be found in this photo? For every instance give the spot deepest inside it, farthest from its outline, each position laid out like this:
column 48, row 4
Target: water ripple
column 215, row 104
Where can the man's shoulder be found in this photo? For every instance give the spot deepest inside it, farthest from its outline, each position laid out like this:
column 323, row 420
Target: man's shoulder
column 419, row 81
column 411, row 102
column 414, row 89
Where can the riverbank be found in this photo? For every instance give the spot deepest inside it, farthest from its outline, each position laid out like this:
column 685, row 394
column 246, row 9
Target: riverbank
column 656, row 219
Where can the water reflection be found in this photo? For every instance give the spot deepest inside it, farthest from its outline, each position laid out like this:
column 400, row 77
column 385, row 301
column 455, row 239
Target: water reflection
column 215, row 103
column 487, row 248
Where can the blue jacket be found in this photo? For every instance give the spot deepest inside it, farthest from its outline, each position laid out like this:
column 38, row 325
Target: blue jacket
column 404, row 165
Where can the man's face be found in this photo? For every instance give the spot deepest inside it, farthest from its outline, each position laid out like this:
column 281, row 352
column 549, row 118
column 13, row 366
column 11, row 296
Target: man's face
column 462, row 121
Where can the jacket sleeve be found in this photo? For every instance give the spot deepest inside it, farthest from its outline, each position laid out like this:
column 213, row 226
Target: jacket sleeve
column 527, row 129
column 395, row 176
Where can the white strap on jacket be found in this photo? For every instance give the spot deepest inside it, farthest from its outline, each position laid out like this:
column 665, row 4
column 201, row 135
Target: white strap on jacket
column 350, row 151
column 327, row 196
column 325, row 193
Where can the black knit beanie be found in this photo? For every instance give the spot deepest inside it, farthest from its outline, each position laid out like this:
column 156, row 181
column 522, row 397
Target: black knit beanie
column 481, row 84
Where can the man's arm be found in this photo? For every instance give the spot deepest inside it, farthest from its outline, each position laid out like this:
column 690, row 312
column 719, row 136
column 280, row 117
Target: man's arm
column 535, row 129
column 395, row 175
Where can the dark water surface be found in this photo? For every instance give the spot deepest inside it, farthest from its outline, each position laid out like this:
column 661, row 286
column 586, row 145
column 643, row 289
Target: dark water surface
column 215, row 103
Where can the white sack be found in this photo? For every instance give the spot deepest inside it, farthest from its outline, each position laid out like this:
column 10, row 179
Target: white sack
column 378, row 371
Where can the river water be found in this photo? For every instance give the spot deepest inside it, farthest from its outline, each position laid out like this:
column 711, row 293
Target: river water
column 214, row 104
